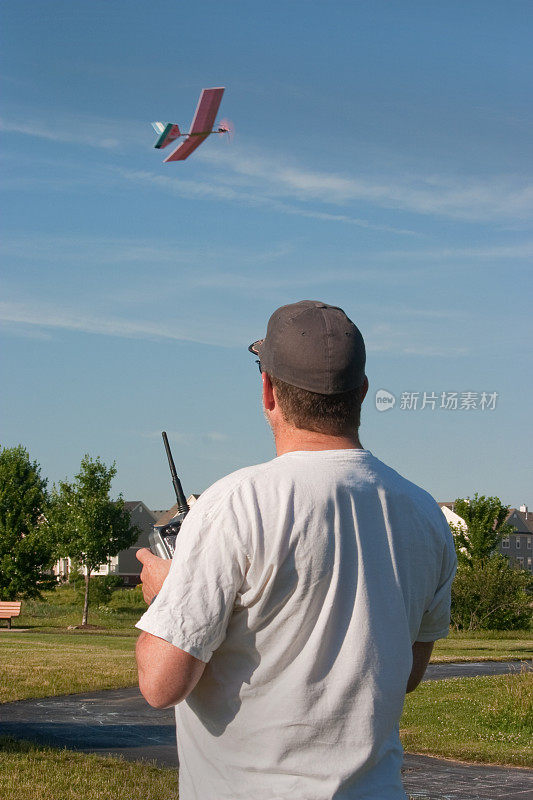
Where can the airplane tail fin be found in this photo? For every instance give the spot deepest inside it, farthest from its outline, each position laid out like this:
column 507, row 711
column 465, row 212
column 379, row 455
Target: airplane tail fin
column 167, row 133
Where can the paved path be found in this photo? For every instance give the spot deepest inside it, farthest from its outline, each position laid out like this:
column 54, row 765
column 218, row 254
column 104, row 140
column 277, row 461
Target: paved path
column 120, row 722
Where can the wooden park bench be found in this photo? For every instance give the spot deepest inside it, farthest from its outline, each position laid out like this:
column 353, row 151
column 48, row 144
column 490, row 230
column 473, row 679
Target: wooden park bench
column 8, row 610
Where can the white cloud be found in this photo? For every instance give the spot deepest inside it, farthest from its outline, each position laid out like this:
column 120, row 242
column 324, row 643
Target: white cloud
column 87, row 133
column 493, row 252
column 173, row 436
column 101, row 250
column 394, row 338
column 178, row 437
column 391, row 337
column 220, row 190
column 41, row 315
column 253, row 177
column 495, row 198
column 216, row 436
column 23, row 332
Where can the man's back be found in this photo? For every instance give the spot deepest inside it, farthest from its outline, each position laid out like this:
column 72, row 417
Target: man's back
column 303, row 582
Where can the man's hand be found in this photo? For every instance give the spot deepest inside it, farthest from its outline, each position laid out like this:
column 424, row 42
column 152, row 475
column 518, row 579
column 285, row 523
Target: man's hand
column 154, row 572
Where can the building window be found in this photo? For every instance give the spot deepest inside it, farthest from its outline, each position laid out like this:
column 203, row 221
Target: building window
column 520, row 562
column 529, row 542
column 505, row 543
column 530, row 568
column 517, row 540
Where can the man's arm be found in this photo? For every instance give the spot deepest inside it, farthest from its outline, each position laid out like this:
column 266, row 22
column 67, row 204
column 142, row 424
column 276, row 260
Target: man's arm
column 167, row 674
column 421, row 655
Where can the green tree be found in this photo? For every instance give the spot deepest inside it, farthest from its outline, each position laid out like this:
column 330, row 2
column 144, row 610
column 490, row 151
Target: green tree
column 485, row 522
column 487, row 592
column 88, row 525
column 491, row 595
column 26, row 546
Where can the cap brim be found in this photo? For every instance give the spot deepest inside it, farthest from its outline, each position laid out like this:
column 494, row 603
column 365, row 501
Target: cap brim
column 253, row 348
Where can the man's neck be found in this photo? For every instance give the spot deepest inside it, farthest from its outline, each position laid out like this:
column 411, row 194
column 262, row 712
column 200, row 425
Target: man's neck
column 290, row 440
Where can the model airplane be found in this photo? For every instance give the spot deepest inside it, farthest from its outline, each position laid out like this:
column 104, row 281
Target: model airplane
column 201, row 128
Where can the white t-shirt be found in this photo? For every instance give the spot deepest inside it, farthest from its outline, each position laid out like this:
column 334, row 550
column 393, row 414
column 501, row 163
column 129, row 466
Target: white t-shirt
column 303, row 582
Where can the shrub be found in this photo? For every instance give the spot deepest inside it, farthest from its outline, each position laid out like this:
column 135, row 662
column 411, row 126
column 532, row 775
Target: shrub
column 489, row 594
column 100, row 589
column 114, row 582
column 75, row 578
column 127, row 598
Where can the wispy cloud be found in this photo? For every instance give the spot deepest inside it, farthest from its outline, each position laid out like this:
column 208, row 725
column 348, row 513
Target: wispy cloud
column 87, row 130
column 493, row 252
column 179, row 437
column 253, row 177
column 222, row 190
column 22, row 331
column 89, row 134
column 468, row 198
column 48, row 316
column 130, row 251
column 390, row 337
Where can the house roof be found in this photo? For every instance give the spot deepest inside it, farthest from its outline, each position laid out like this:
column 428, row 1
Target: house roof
column 521, row 520
column 451, row 517
column 131, row 505
column 165, row 518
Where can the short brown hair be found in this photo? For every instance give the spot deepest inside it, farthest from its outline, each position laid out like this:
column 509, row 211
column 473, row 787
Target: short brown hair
column 332, row 414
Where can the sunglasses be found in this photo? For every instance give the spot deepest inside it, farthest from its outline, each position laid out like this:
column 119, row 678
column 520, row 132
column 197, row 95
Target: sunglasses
column 253, row 350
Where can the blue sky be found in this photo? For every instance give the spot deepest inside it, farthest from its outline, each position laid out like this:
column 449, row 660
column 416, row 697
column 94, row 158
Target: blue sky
column 381, row 162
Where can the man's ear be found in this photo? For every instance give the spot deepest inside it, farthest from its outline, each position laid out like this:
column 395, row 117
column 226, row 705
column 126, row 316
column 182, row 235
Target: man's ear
column 364, row 388
column 269, row 401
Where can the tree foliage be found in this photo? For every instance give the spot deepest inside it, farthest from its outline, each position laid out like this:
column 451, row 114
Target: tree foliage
column 487, row 593
column 26, row 545
column 490, row 595
column 89, row 526
column 485, row 520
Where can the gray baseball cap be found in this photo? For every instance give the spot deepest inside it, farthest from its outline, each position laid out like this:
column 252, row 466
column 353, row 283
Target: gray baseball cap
column 313, row 346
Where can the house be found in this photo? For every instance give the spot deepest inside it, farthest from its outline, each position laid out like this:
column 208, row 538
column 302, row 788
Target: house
column 451, row 517
column 165, row 516
column 518, row 546
column 125, row 563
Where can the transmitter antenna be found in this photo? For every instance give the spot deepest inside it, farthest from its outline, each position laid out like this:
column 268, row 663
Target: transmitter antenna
column 180, row 496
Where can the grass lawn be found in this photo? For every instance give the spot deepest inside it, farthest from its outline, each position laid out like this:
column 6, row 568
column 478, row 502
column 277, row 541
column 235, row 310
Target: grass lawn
column 34, row 772
column 62, row 608
column 66, row 662
column 57, row 660
column 471, row 719
column 484, row 646
column 486, row 719
column 46, row 664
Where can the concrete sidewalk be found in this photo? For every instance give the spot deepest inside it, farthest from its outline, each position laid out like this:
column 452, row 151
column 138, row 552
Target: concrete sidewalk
column 120, row 722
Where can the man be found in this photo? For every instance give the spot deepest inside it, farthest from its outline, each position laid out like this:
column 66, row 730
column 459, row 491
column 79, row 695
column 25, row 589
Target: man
column 304, row 596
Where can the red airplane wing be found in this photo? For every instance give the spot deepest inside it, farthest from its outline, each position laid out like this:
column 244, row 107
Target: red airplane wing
column 202, row 124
